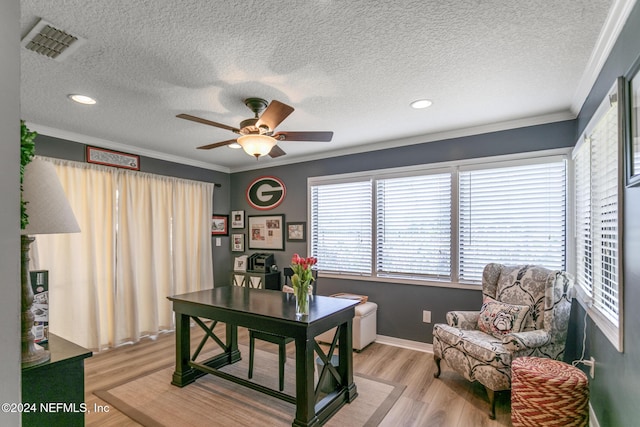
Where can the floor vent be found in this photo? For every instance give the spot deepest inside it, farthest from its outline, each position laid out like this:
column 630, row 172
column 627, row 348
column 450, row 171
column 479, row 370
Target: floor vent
column 45, row 39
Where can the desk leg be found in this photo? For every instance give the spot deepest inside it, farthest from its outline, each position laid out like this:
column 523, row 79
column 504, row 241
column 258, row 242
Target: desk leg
column 232, row 343
column 345, row 366
column 305, row 397
column 183, row 374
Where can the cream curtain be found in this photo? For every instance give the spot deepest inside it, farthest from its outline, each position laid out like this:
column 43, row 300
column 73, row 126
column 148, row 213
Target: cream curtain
column 144, row 237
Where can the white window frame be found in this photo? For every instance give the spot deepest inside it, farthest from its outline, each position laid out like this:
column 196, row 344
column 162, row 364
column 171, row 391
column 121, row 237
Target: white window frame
column 453, row 167
column 613, row 331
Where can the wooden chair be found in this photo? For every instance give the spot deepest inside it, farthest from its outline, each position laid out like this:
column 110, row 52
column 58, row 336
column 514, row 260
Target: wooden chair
column 280, row 340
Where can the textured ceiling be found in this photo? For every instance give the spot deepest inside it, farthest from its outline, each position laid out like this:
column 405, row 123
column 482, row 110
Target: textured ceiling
column 351, row 67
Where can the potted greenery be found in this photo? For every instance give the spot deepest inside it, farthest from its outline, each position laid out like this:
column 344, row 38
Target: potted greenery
column 27, row 151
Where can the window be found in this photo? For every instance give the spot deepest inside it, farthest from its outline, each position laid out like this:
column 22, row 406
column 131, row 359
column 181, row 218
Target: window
column 440, row 223
column 413, row 226
column 341, row 227
column 597, row 218
column 515, row 214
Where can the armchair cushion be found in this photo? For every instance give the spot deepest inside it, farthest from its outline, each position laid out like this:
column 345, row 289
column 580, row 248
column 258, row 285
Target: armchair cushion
column 480, row 356
column 463, row 319
column 520, row 341
column 500, row 318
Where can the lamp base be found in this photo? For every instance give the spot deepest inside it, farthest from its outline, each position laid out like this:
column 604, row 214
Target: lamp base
column 32, row 353
column 35, row 355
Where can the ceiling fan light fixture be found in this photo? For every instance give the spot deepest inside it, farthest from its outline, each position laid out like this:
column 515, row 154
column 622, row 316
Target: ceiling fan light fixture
column 235, row 146
column 256, row 145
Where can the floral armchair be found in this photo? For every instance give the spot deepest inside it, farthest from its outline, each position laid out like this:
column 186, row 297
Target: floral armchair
column 525, row 312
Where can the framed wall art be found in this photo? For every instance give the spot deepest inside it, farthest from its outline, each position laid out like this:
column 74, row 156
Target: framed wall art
column 632, row 143
column 237, row 242
column 296, row 232
column 117, row 159
column 237, row 219
column 266, row 232
column 220, row 225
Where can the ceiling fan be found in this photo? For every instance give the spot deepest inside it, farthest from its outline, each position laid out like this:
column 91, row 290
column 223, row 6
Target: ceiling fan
column 257, row 135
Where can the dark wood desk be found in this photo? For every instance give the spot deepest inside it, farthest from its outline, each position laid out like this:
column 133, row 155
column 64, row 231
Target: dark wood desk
column 270, row 311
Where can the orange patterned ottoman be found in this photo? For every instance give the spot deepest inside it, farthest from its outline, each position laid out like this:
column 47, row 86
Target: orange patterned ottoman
column 547, row 392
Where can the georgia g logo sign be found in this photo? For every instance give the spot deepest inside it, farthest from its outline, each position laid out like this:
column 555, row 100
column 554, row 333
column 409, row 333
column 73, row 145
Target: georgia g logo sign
column 266, row 192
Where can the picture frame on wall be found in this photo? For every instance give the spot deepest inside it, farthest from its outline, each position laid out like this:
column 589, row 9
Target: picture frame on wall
column 296, row 232
column 237, row 219
column 118, row 159
column 220, row 225
column 632, row 116
column 266, row 232
column 237, row 242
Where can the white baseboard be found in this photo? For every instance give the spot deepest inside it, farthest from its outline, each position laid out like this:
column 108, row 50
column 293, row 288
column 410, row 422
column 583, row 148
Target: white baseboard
column 411, row 345
column 593, row 420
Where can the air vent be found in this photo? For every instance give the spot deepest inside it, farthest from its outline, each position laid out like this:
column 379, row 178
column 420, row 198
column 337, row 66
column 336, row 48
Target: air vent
column 51, row 42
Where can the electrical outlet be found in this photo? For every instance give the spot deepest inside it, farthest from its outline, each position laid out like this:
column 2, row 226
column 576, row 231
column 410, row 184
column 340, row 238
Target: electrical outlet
column 426, row 316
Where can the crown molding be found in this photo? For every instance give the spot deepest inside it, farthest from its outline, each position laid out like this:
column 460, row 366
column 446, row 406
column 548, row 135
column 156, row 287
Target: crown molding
column 616, row 18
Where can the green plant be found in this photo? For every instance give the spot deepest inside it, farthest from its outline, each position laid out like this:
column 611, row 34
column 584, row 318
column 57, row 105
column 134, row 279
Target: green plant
column 27, row 151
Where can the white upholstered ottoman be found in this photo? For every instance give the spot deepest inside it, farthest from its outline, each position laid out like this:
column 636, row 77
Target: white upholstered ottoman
column 364, row 326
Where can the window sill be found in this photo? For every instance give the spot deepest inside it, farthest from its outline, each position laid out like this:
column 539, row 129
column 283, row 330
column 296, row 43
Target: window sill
column 450, row 285
column 606, row 326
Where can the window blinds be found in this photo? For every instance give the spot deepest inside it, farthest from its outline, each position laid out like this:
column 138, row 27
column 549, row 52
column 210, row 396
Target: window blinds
column 341, row 227
column 596, row 177
column 414, row 226
column 512, row 215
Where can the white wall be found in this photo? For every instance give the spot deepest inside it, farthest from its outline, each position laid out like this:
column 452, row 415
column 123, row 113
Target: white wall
column 9, row 208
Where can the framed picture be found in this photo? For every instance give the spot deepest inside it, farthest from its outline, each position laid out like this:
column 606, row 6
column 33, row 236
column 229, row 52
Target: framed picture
column 296, row 232
column 237, row 242
column 266, row 232
column 240, row 263
column 237, row 219
column 632, row 143
column 117, row 159
column 220, row 225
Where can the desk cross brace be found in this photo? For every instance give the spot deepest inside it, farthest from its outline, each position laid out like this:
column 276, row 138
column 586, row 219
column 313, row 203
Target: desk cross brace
column 327, row 367
column 209, row 334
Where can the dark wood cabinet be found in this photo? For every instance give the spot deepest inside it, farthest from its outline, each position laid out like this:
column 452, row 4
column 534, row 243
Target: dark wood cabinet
column 55, row 389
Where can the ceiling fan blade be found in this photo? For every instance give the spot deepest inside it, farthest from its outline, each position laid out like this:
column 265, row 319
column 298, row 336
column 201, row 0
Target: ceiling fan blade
column 304, row 136
column 217, row 144
column 207, row 122
column 275, row 113
column 276, row 152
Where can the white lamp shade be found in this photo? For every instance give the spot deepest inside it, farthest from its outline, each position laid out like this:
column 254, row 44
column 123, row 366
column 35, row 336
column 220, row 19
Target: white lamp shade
column 47, row 205
column 257, row 145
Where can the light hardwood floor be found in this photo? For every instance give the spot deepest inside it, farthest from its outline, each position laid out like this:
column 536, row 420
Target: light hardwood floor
column 449, row 401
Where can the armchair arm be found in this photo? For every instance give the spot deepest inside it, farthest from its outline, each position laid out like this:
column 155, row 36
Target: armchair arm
column 518, row 341
column 463, row 319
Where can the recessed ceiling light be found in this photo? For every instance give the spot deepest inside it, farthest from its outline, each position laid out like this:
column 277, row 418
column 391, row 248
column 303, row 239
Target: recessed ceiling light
column 234, row 145
column 421, row 103
column 82, row 99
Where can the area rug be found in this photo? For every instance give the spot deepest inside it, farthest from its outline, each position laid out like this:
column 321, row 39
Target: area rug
column 152, row 401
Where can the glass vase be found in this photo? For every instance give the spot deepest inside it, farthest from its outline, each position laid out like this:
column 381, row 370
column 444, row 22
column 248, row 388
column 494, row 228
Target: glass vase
column 302, row 299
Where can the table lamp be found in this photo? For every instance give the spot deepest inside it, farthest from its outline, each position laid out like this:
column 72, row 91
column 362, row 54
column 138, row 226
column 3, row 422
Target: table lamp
column 49, row 213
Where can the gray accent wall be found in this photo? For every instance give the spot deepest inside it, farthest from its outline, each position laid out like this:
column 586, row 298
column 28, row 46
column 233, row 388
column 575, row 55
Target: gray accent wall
column 615, row 389
column 69, row 150
column 9, row 208
column 400, row 306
